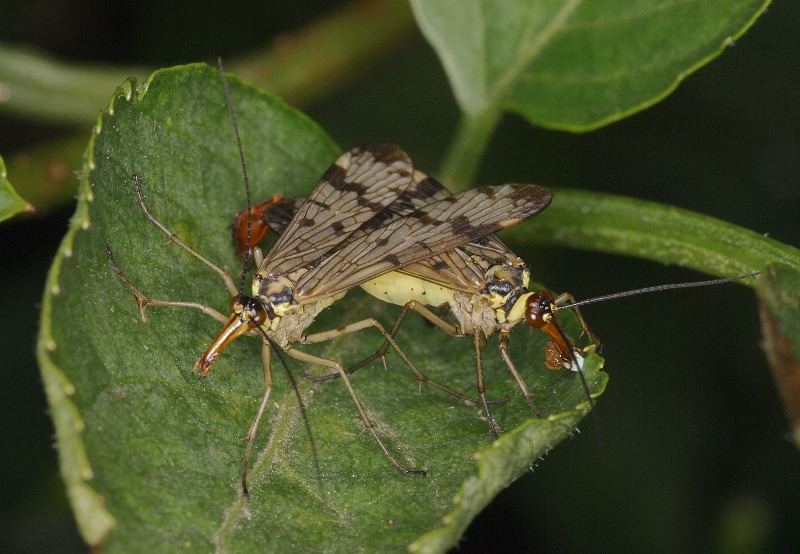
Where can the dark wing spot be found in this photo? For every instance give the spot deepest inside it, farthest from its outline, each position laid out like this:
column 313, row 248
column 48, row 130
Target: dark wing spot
column 335, row 175
column 278, row 215
column 461, row 225
column 376, row 222
column 531, row 193
column 483, row 230
column 387, row 153
column 428, row 187
column 426, row 219
column 337, row 227
column 392, row 259
column 370, row 205
column 348, row 186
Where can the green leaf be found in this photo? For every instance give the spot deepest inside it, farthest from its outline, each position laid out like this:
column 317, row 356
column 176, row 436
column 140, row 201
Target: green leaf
column 575, row 65
column 653, row 231
column 45, row 88
column 567, row 64
column 152, row 456
column 11, row 203
column 45, row 174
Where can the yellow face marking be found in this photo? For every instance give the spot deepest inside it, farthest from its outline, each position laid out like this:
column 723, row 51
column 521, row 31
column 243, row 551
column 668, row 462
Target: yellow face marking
column 517, row 311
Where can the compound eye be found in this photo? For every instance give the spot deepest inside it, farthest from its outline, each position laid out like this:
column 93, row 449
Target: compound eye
column 249, row 310
column 258, row 312
column 546, row 308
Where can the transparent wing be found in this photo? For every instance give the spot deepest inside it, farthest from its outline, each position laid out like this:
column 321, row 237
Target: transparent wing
column 356, row 187
column 463, row 268
column 421, row 191
column 431, row 230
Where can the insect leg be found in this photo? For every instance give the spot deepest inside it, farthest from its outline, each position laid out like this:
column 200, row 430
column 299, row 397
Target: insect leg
column 504, row 338
column 456, row 331
column 266, row 362
column 143, row 300
column 480, row 340
column 381, row 352
column 173, row 238
column 371, row 322
column 595, row 340
column 311, row 359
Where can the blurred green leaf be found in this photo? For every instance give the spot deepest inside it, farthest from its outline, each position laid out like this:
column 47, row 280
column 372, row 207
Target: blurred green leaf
column 36, row 86
column 568, row 64
column 653, row 231
column 152, row 456
column 11, row 203
column 47, row 89
column 338, row 46
column 576, row 65
column 46, row 174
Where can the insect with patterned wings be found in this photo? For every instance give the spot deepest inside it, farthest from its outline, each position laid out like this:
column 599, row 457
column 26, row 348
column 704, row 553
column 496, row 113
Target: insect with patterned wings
column 334, row 243
column 483, row 282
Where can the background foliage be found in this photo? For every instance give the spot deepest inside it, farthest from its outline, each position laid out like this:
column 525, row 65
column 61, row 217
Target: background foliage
column 690, row 416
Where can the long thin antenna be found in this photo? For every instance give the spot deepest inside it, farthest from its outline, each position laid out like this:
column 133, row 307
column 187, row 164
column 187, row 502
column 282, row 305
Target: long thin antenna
column 235, row 124
column 657, row 288
column 245, row 265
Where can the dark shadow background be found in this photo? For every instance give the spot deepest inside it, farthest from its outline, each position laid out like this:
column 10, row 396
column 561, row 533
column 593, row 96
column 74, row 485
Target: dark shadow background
column 692, row 451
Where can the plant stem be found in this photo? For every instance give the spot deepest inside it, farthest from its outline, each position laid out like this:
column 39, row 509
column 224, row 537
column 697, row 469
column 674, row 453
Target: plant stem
column 466, row 150
column 47, row 89
column 325, row 55
column 300, row 67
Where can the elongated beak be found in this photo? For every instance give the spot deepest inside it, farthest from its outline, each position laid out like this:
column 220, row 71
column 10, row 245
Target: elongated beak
column 235, row 327
column 539, row 308
column 557, row 353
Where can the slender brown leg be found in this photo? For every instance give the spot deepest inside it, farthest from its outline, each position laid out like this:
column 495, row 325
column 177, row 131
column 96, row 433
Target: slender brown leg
column 173, row 238
column 311, row 359
column 504, row 338
column 142, row 300
column 481, row 386
column 266, row 362
column 381, row 352
column 595, row 340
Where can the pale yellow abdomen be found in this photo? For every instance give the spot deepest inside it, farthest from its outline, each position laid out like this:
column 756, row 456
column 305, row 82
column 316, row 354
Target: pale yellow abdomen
column 398, row 288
